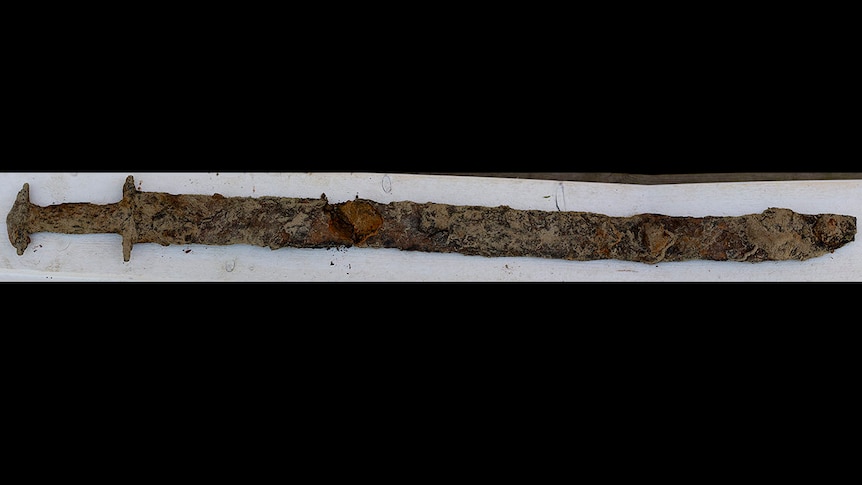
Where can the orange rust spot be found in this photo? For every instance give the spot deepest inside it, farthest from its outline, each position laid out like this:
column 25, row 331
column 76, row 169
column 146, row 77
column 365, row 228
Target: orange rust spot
column 355, row 220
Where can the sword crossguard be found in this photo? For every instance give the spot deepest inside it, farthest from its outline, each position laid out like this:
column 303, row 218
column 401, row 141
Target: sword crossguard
column 129, row 231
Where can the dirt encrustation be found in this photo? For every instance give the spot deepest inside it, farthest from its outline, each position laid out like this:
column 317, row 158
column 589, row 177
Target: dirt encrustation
column 775, row 234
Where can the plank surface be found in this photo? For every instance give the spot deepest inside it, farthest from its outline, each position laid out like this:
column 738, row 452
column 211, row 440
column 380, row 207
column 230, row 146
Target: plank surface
column 670, row 178
column 98, row 257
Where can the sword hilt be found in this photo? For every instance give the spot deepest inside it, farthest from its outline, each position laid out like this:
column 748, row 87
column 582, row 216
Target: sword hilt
column 27, row 218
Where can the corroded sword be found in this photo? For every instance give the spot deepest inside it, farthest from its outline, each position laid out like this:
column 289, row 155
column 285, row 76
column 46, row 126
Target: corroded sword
column 276, row 222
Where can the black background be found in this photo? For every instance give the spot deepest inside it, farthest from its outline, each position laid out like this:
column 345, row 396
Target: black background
column 613, row 91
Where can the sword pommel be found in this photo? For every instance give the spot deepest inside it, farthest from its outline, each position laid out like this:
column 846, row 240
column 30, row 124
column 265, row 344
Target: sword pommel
column 18, row 220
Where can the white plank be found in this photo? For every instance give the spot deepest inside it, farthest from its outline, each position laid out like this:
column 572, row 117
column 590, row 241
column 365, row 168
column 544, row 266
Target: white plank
column 62, row 257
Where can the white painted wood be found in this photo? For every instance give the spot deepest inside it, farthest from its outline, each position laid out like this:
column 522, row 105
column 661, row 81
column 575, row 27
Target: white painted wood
column 63, row 257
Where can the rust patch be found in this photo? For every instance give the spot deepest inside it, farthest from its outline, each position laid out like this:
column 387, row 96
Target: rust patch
column 355, row 220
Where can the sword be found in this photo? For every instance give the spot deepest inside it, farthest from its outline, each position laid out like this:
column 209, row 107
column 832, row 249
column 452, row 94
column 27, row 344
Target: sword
column 277, row 222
